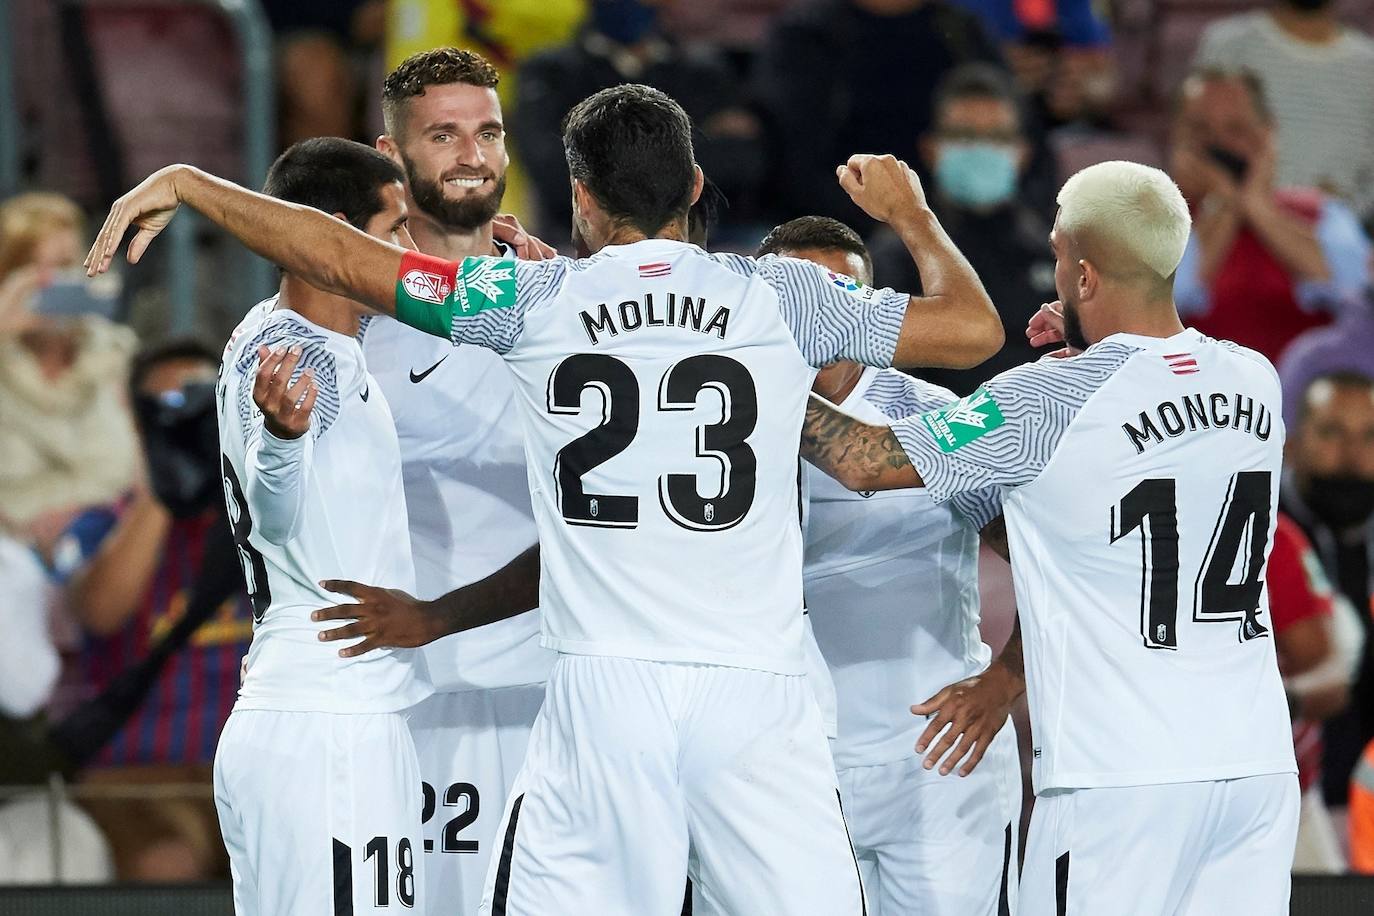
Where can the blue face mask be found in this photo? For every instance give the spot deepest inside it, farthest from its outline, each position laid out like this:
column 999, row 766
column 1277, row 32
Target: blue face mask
column 976, row 175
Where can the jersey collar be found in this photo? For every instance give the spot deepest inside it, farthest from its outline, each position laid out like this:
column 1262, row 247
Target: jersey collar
column 1185, row 338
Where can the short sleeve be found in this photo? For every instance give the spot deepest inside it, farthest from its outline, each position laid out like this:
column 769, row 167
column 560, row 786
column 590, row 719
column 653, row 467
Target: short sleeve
column 833, row 316
column 1346, row 250
column 1003, row 434
column 480, row 301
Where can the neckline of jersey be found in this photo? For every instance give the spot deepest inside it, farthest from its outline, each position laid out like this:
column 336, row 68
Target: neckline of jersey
column 1189, row 335
column 648, row 244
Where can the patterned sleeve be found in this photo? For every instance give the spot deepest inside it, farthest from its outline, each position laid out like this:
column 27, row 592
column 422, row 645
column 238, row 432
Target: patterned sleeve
column 314, row 355
column 1003, row 434
column 833, row 316
column 480, row 301
column 898, row 396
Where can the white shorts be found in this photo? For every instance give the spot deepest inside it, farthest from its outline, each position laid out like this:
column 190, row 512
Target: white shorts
column 938, row 844
column 632, row 763
column 471, row 745
column 320, row 813
column 1182, row 849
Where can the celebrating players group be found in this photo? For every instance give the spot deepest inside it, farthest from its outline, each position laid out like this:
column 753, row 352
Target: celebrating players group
column 550, row 619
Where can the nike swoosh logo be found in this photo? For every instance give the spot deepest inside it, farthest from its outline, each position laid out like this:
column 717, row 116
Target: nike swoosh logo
column 419, row 377
column 365, row 389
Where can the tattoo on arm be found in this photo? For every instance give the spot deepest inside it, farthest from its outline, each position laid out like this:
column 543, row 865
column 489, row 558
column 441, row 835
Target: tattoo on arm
column 857, row 454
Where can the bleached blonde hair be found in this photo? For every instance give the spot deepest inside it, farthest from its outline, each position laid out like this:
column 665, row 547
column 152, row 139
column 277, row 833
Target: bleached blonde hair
column 1126, row 211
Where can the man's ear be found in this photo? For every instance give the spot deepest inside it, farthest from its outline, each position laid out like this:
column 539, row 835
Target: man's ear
column 698, row 182
column 387, row 147
column 1089, row 280
column 583, row 201
column 341, row 217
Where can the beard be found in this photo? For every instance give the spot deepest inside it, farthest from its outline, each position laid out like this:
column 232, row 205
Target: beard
column 470, row 212
column 1073, row 327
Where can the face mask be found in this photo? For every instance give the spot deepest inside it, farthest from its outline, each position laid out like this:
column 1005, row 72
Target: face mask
column 181, row 442
column 623, row 21
column 1340, row 501
column 976, row 175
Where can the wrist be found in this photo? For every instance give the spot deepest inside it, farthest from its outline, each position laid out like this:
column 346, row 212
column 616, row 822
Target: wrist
column 1012, row 683
column 916, row 222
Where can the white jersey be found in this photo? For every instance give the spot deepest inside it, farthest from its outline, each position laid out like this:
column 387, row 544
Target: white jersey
column 467, row 492
column 328, row 505
column 1139, row 485
column 891, row 582
column 661, row 391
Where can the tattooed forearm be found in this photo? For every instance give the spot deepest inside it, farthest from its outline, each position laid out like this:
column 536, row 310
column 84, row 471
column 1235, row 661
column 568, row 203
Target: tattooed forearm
column 857, row 454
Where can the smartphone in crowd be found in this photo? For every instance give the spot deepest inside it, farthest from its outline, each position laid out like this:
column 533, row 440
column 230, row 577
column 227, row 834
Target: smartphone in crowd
column 72, row 294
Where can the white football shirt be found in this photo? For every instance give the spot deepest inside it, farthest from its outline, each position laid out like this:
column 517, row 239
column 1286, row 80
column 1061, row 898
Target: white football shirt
column 1140, row 483
column 661, row 391
column 467, row 492
column 328, row 505
column 891, row 581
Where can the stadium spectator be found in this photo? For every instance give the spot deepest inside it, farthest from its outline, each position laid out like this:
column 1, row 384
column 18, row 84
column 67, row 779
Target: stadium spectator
column 978, row 153
column 66, row 437
column 1329, row 491
column 622, row 43
column 1318, row 75
column 1317, row 656
column 1264, row 262
column 136, row 585
column 1346, row 345
column 843, row 75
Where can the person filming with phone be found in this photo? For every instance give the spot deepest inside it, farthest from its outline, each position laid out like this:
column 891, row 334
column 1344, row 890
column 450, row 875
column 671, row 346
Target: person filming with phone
column 1264, row 263
column 67, row 438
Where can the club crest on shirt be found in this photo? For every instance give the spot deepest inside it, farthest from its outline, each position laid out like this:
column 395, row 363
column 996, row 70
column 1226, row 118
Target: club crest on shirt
column 850, row 285
column 486, row 283
column 426, row 286
column 963, row 421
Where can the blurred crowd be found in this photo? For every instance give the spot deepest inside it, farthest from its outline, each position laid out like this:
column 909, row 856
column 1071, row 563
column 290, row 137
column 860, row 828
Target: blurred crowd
column 119, row 594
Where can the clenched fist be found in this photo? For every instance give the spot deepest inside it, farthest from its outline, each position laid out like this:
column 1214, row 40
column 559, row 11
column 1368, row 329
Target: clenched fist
column 884, row 186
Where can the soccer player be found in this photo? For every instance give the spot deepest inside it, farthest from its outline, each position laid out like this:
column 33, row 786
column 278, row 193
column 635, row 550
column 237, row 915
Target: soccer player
column 891, row 583
column 1139, row 482
column 316, row 776
column 665, row 500
column 463, row 463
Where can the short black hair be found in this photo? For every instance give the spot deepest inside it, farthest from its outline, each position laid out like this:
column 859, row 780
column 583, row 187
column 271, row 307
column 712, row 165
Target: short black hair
column 817, row 232
column 334, row 175
column 976, row 81
column 631, row 146
column 176, row 348
column 435, row 67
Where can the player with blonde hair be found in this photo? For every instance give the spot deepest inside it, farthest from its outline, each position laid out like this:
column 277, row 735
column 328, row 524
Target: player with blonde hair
column 1139, row 481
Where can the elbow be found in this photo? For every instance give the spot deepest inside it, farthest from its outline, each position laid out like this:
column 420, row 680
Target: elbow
column 982, row 340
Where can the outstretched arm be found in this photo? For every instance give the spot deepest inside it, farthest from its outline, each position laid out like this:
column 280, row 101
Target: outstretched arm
column 325, row 252
column 857, row 454
column 387, row 618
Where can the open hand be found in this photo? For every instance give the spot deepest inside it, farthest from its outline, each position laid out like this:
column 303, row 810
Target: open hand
column 285, row 407
column 507, row 228
column 970, row 712
column 150, row 207
column 382, row 617
column 884, row 186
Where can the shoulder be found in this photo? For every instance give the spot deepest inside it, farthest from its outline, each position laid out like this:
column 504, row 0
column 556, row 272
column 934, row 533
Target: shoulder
column 1361, row 45
column 1238, row 28
column 1071, row 380
column 1248, row 357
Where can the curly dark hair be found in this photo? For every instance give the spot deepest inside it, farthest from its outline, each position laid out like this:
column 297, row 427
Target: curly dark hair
column 435, row 67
